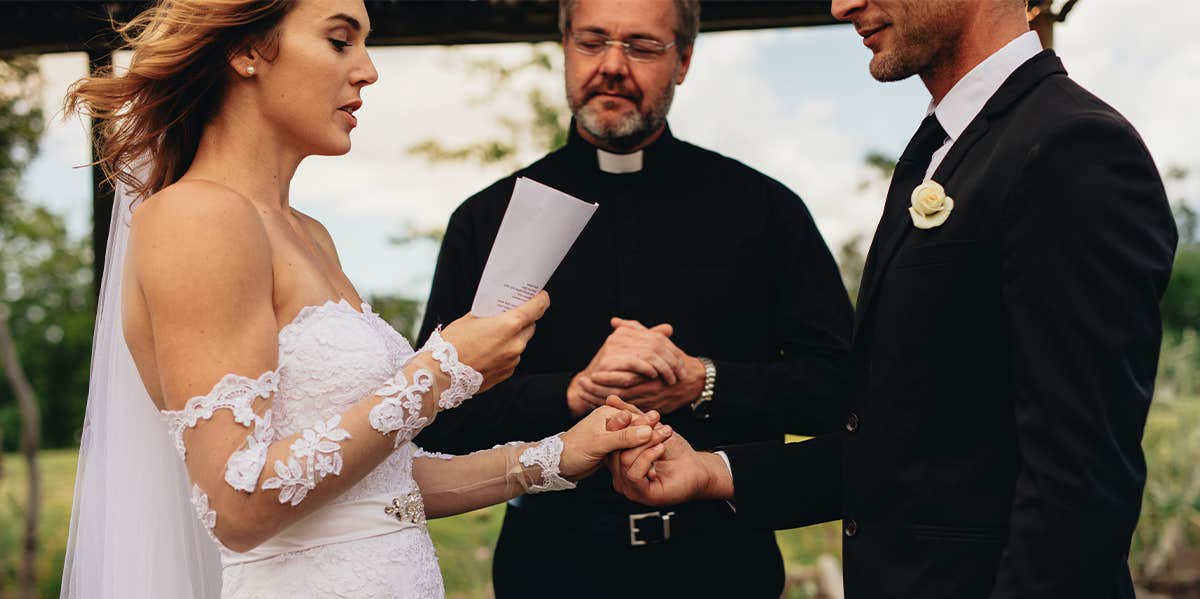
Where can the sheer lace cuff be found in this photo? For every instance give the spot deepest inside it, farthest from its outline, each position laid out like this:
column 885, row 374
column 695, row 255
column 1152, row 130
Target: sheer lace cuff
column 457, row 484
column 546, row 455
column 464, row 380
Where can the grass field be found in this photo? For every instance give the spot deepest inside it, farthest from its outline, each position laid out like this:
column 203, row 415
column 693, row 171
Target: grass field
column 1165, row 554
column 464, row 542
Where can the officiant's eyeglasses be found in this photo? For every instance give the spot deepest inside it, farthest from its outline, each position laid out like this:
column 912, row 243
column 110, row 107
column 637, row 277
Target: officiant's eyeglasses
column 590, row 43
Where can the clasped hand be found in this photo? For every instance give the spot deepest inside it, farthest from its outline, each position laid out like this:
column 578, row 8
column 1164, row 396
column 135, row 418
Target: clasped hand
column 649, row 463
column 641, row 366
column 666, row 472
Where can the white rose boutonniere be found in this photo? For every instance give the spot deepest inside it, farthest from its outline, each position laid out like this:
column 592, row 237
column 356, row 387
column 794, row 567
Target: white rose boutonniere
column 930, row 205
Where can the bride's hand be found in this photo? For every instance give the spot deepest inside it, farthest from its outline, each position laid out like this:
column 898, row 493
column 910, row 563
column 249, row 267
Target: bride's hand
column 493, row 345
column 602, row 432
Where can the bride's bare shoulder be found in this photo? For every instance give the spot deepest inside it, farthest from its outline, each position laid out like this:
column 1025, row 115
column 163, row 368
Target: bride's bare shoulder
column 202, row 213
column 199, row 224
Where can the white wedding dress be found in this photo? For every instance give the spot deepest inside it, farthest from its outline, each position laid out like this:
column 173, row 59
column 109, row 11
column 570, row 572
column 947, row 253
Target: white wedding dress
column 330, row 357
column 138, row 523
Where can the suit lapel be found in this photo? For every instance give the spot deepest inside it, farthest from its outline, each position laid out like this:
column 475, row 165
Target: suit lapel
column 893, row 213
column 895, row 225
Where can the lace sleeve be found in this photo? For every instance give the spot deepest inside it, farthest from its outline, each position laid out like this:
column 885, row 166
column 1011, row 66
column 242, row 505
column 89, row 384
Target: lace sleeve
column 301, row 462
column 456, row 484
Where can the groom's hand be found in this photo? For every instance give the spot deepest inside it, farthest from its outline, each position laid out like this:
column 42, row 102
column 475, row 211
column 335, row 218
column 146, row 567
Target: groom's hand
column 604, row 431
column 668, row 473
column 646, row 353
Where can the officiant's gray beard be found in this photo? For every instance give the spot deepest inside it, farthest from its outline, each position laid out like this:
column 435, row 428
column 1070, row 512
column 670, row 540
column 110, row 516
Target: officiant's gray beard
column 630, row 131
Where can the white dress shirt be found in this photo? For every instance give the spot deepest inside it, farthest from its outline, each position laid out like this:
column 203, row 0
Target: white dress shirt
column 964, row 101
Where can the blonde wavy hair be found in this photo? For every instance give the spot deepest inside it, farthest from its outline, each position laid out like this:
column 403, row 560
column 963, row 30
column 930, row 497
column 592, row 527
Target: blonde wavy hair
column 175, row 82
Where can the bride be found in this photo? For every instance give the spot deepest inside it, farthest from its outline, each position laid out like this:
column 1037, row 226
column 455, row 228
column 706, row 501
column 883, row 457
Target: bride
column 241, row 390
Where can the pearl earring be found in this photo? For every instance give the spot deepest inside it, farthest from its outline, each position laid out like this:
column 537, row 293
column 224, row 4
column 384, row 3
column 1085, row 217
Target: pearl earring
column 250, row 70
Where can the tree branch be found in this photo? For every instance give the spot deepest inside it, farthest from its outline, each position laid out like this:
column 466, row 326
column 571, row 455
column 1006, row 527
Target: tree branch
column 30, row 427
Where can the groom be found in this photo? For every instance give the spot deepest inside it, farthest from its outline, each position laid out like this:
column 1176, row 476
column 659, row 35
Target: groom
column 1006, row 336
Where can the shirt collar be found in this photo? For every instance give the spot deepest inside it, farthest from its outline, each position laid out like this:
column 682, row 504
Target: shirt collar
column 610, row 163
column 619, row 164
column 964, row 101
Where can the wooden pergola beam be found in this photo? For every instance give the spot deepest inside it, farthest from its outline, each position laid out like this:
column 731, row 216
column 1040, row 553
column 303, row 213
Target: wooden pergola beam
column 45, row 26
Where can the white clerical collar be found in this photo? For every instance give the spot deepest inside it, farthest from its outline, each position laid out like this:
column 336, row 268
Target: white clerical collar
column 619, row 164
column 964, row 101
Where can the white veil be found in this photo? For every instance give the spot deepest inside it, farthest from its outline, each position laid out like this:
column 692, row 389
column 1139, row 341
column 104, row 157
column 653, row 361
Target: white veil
column 134, row 533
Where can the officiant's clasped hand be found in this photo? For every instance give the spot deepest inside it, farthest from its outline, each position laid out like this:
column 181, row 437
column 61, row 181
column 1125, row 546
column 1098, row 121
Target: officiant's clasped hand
column 641, row 364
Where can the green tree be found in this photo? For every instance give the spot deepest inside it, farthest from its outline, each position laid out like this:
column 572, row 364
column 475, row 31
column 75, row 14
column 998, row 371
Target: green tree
column 1181, row 303
column 400, row 312
column 45, row 275
column 850, row 261
column 20, row 124
column 541, row 129
column 850, row 256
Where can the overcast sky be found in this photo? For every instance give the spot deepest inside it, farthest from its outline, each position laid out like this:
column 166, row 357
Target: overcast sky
column 797, row 104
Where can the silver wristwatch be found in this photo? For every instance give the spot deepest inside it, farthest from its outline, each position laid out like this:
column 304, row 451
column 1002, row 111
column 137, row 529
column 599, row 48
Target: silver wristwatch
column 700, row 407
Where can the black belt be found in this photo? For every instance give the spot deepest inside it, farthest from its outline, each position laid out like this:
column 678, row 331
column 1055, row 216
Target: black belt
column 634, row 529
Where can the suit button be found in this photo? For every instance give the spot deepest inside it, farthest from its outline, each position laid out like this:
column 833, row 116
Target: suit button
column 850, row 527
column 852, row 422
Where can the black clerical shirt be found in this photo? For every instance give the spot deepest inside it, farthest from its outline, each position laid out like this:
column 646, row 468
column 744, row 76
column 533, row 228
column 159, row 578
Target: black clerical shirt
column 728, row 256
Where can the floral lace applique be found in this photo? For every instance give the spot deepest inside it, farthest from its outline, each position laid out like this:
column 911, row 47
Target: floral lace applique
column 245, row 466
column 207, row 517
column 400, row 409
column 315, row 455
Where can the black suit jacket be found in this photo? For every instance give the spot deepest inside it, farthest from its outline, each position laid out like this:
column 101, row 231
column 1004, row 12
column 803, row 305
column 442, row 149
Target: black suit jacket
column 1004, row 364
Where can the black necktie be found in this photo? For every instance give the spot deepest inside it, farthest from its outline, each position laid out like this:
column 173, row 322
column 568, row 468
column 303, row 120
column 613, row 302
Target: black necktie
column 910, row 169
column 929, row 137
column 909, row 173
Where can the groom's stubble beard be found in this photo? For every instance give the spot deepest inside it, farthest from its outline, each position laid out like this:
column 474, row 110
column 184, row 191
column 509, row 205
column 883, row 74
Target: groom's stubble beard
column 630, row 130
column 924, row 40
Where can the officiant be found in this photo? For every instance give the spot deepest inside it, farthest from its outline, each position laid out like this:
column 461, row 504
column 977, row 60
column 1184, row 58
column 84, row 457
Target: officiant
column 700, row 288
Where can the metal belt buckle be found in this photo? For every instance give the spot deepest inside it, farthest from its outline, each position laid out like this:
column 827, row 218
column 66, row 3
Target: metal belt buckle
column 634, row 530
